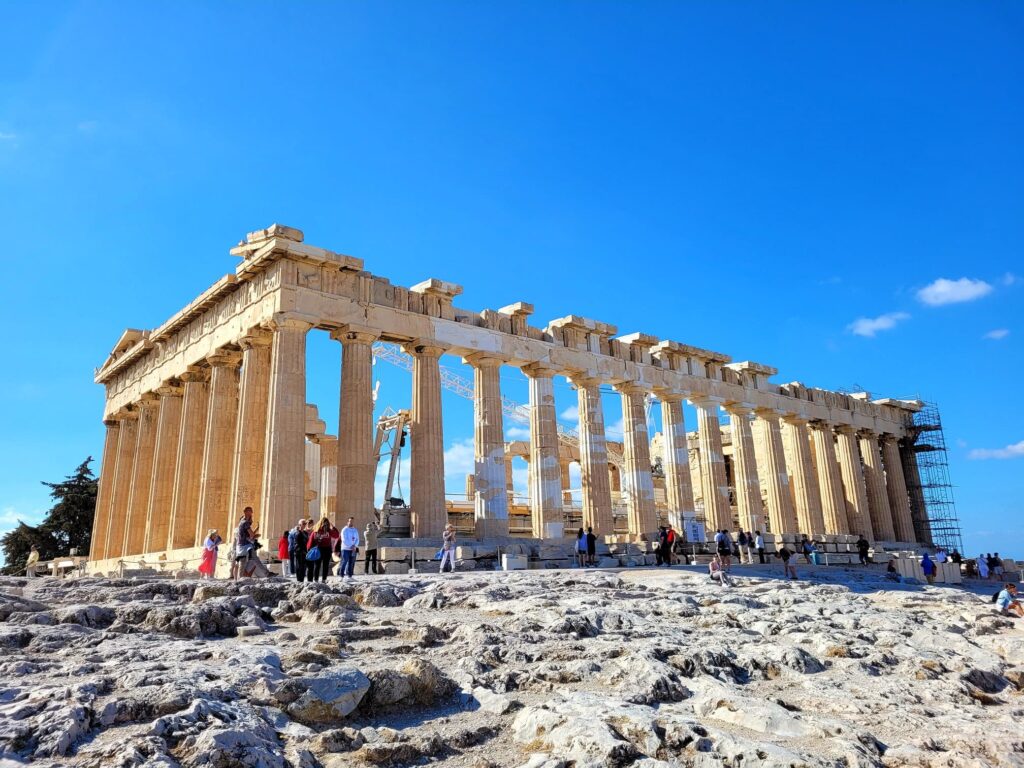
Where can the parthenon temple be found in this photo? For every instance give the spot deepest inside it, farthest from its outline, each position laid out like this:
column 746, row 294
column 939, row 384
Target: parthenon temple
column 207, row 414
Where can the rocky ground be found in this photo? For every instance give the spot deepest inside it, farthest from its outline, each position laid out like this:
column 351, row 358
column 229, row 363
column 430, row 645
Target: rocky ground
column 548, row 669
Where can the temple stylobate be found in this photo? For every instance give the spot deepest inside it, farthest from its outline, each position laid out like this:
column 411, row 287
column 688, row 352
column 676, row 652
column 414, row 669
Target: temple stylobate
column 207, row 414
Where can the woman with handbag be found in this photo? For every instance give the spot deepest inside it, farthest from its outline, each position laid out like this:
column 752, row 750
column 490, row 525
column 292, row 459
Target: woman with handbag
column 318, row 550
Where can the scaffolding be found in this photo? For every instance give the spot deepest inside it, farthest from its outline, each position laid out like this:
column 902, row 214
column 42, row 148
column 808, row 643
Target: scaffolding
column 926, row 466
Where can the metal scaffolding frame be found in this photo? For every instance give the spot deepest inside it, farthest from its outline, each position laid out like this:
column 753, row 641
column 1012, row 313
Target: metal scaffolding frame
column 928, row 483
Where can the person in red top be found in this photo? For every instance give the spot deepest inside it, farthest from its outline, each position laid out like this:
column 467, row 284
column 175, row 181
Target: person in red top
column 322, row 537
column 282, row 554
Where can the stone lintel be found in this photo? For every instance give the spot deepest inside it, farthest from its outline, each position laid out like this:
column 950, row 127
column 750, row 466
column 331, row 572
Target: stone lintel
column 434, row 287
column 314, row 424
column 688, row 350
column 275, row 230
column 584, row 324
column 130, row 347
column 748, row 366
column 149, row 400
column 518, row 309
column 908, row 405
column 642, row 340
column 862, row 396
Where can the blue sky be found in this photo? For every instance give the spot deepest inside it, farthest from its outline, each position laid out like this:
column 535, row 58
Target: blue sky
column 761, row 179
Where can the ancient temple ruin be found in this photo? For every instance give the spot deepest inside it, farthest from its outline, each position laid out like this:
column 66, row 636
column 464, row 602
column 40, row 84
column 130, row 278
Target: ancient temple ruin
column 207, row 414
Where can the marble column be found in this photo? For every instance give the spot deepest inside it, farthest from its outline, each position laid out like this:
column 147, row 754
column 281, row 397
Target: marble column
column 771, row 465
column 189, row 469
column 918, row 508
column 490, row 489
column 676, row 460
column 714, row 487
column 806, row 495
column 328, row 474
column 855, row 493
column 896, row 488
column 748, row 489
column 105, row 490
column 563, row 468
column 545, row 476
column 250, row 447
column 429, row 511
column 128, row 438
column 165, row 460
column 312, row 488
column 509, row 485
column 283, row 499
column 874, row 481
column 142, row 477
column 215, row 503
column 637, row 482
column 595, row 475
column 830, row 482
column 356, row 467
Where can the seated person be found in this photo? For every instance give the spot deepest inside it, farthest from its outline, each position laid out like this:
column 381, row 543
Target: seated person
column 717, row 572
column 1007, row 602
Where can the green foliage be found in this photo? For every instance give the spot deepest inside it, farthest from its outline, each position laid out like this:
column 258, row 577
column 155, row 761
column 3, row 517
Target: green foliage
column 67, row 525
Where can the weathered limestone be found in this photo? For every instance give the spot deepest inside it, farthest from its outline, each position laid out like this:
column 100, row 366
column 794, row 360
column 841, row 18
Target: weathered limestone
column 896, row 489
column 219, row 453
column 912, row 474
column 142, row 477
column 426, row 475
column 637, row 482
column 283, row 499
column 874, row 481
column 251, row 430
column 105, row 490
column 676, row 460
column 355, row 426
column 771, row 463
column 188, row 472
column 490, row 492
column 855, row 492
column 594, row 472
column 545, row 475
column 806, row 495
column 830, row 483
column 714, row 488
column 748, row 489
column 126, row 444
column 328, row 473
column 165, row 461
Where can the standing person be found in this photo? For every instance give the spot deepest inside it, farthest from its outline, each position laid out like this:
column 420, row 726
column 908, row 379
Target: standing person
column 349, row 549
column 670, row 535
column 245, row 544
column 788, row 568
column 928, row 567
column 744, row 546
column 297, row 537
column 581, row 548
column 448, row 547
column 724, row 547
column 659, row 551
column 591, row 546
column 862, row 549
column 318, row 565
column 805, row 549
column 30, row 563
column 940, row 555
column 982, row 567
column 759, row 546
column 956, row 557
column 370, row 534
column 283, row 555
column 208, row 562
column 997, row 566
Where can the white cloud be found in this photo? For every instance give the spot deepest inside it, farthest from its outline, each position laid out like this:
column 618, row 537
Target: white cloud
column 615, row 431
column 1008, row 279
column 998, row 333
column 1009, row 452
column 869, row 326
column 459, row 461
column 944, row 291
column 517, row 433
column 8, row 136
column 571, row 414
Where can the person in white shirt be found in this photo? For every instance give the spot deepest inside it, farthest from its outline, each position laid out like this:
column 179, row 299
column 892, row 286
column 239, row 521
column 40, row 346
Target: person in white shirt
column 349, row 549
column 940, row 555
column 759, row 546
column 448, row 547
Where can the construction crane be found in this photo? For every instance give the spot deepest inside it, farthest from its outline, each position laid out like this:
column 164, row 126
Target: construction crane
column 389, row 441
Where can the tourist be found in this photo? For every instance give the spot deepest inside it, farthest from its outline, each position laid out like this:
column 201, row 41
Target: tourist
column 370, row 534
column 717, row 572
column 759, row 546
column 580, row 548
column 862, row 549
column 940, row 555
column 744, row 544
column 283, row 556
column 318, row 563
column 723, row 545
column 891, row 573
column 297, row 550
column 788, row 567
column 997, row 566
column 805, row 549
column 982, row 562
column 448, row 547
column 670, row 536
column 659, row 550
column 1007, row 602
column 349, row 549
column 245, row 544
column 30, row 563
column 928, row 568
column 591, row 547
column 208, row 560
column 956, row 557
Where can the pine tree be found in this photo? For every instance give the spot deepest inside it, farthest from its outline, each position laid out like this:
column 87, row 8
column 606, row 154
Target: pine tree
column 67, row 525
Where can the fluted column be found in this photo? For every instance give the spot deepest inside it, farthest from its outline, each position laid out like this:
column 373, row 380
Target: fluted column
column 594, row 471
column 490, row 492
column 283, row 500
column 328, row 474
column 189, row 468
column 714, row 486
column 637, row 482
column 312, row 473
column 250, row 448
column 105, row 490
column 545, row 477
column 142, row 477
column 356, row 467
column 896, row 488
column 429, row 512
column 127, row 441
column 509, row 485
column 215, row 503
column 874, row 480
column 676, row 460
column 918, row 508
column 165, row 460
column 830, row 483
column 771, row 465
column 855, row 493
column 563, row 469
column 805, row 483
column 744, row 462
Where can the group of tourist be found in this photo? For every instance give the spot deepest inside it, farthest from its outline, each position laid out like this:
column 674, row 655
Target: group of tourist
column 987, row 566
column 586, row 548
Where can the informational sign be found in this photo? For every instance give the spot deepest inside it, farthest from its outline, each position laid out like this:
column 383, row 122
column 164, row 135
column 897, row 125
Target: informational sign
column 693, row 530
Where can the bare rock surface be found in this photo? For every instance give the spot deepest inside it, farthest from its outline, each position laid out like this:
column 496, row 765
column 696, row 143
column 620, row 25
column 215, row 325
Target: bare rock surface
column 553, row 669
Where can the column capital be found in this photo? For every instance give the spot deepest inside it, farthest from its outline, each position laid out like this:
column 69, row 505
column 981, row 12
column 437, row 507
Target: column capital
column 669, row 395
column 227, row 358
column 483, row 360
column 111, row 422
column 845, row 429
column 772, row 414
column 822, row 424
column 148, row 400
column 196, row 373
column 127, row 413
column 540, row 370
column 171, row 388
column 705, row 400
column 795, row 419
column 629, row 388
column 583, row 379
column 295, row 321
column 868, row 434
column 886, row 437
column 740, row 409
column 355, row 334
column 322, row 439
column 256, row 337
column 425, row 348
